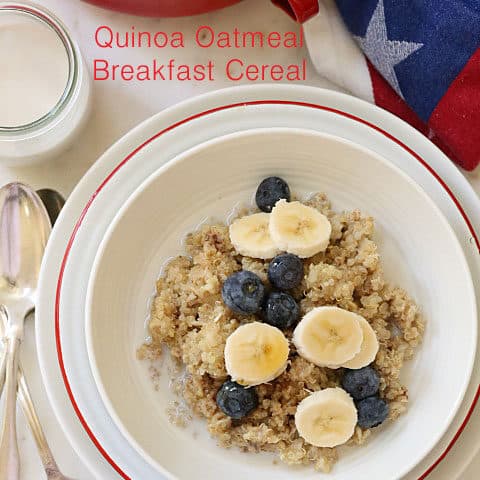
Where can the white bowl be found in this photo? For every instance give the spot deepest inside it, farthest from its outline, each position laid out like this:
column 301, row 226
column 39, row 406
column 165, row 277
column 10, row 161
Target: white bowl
column 420, row 252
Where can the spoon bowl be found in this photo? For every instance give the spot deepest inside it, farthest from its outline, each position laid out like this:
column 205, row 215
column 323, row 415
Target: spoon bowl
column 24, row 231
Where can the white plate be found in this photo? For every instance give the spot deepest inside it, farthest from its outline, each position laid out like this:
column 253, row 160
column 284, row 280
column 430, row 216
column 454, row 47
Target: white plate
column 412, row 235
column 104, row 190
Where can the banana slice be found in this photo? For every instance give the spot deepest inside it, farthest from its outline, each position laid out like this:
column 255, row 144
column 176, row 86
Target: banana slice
column 256, row 353
column 326, row 418
column 299, row 229
column 368, row 350
column 251, row 237
column 328, row 336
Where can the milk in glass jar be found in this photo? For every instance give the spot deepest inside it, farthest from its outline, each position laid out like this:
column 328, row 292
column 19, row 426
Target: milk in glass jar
column 44, row 85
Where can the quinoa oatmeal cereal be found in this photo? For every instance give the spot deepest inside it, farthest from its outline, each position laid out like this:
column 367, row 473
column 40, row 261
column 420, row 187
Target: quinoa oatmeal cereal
column 190, row 316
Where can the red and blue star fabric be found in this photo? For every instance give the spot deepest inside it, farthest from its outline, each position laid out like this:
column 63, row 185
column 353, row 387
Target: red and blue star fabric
column 419, row 59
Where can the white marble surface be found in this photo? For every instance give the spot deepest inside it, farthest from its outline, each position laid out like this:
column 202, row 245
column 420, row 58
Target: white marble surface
column 117, row 107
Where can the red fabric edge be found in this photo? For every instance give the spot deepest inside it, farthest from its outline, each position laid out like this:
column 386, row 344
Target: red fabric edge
column 452, row 125
column 456, row 118
column 299, row 10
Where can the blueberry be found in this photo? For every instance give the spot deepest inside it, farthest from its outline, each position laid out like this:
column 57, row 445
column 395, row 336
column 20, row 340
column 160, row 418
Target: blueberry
column 361, row 383
column 270, row 191
column 243, row 292
column 372, row 411
column 285, row 271
column 236, row 401
column 281, row 310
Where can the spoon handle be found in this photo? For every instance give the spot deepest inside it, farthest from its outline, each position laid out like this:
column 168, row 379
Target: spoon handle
column 46, row 456
column 9, row 457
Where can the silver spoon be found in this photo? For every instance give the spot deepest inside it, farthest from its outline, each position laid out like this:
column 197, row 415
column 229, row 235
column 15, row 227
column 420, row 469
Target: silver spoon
column 53, row 202
column 24, row 231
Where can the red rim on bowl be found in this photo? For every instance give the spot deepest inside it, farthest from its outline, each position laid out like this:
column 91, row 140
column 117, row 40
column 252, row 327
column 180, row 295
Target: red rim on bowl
column 171, row 127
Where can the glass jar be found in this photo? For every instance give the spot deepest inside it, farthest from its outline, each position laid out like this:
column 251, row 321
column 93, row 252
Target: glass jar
column 59, row 122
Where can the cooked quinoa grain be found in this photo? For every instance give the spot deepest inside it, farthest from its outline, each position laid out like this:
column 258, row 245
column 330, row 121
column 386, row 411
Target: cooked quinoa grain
column 188, row 316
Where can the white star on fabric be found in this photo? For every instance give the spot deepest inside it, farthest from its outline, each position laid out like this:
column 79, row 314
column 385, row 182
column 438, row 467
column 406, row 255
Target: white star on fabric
column 381, row 51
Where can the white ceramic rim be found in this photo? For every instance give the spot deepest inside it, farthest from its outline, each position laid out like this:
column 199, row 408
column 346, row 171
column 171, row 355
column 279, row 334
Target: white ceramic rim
column 205, row 146
column 258, row 92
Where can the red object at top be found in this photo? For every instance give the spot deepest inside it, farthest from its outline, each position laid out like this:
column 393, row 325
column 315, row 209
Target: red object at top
column 300, row 10
column 163, row 8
